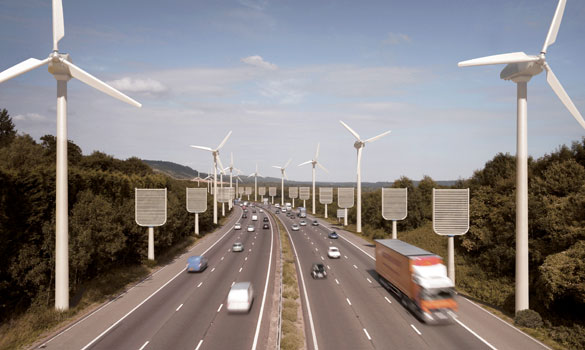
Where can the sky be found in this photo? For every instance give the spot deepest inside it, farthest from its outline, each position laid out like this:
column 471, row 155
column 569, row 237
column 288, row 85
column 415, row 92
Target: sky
column 282, row 74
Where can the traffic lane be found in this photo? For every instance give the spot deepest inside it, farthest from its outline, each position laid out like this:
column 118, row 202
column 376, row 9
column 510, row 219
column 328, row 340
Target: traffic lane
column 191, row 322
column 237, row 331
column 144, row 322
column 336, row 325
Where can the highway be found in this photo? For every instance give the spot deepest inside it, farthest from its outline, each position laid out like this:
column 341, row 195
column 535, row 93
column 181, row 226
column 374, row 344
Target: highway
column 174, row 309
column 351, row 310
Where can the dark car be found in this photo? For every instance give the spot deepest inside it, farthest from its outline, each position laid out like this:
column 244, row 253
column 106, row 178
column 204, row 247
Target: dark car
column 333, row 235
column 277, row 211
column 315, row 223
column 265, row 226
column 318, row 271
column 244, row 216
column 196, row 263
column 265, row 219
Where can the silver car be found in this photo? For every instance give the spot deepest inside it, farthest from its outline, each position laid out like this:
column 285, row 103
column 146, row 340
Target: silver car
column 238, row 247
column 295, row 227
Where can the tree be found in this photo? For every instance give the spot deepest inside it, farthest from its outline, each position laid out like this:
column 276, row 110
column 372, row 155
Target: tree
column 7, row 130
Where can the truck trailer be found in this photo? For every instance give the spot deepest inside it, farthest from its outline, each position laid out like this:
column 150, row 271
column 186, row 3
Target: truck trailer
column 418, row 278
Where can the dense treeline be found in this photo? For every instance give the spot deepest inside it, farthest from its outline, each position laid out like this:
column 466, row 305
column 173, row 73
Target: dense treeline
column 102, row 230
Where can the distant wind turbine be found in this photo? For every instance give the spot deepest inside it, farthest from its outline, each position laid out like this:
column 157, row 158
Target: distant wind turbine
column 359, row 146
column 283, row 176
column 63, row 69
column 255, row 174
column 314, row 162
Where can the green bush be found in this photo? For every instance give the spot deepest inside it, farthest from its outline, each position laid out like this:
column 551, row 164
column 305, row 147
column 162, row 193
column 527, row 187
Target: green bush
column 528, row 318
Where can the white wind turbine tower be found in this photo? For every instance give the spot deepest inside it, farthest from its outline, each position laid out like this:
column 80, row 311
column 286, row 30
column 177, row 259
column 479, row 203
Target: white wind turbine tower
column 62, row 68
column 231, row 169
column 255, row 174
column 520, row 69
column 216, row 161
column 314, row 162
column 283, row 176
column 359, row 145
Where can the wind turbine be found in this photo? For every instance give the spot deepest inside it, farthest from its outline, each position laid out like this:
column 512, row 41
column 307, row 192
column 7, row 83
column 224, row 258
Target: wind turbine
column 216, row 161
column 231, row 169
column 314, row 162
column 255, row 174
column 283, row 176
column 62, row 68
column 207, row 179
column 520, row 69
column 359, row 146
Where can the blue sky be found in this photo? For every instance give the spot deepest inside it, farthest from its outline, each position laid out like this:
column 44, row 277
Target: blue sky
column 281, row 74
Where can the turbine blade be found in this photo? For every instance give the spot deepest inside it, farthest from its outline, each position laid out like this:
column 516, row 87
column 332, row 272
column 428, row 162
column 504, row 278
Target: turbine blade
column 562, row 94
column 351, row 130
column 276, row 166
column 322, row 167
column 371, row 139
column 220, row 165
column 514, row 57
column 203, row 148
column 317, row 153
column 21, row 68
column 58, row 24
column 224, row 141
column 94, row 82
column 287, row 163
column 307, row 162
column 551, row 37
column 284, row 173
column 251, row 174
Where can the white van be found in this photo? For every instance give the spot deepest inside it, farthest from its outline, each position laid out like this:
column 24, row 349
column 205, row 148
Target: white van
column 240, row 297
column 254, row 217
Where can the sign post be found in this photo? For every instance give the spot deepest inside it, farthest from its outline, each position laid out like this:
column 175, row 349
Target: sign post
column 272, row 193
column 150, row 210
column 262, row 192
column 304, row 194
column 325, row 197
column 196, row 203
column 345, row 200
column 248, row 192
column 451, row 218
column 293, row 192
column 394, row 206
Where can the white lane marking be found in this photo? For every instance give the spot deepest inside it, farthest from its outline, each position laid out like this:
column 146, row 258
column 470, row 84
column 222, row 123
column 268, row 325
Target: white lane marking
column 265, row 288
column 367, row 334
column 199, row 285
column 143, row 346
column 199, row 345
column 476, row 335
column 246, row 258
column 179, row 308
column 250, row 249
column 229, row 249
column 369, row 280
column 220, row 307
column 314, row 336
column 388, row 300
column 349, row 302
column 316, row 249
column 311, row 242
column 322, row 258
column 222, row 258
column 416, row 330
column 355, row 266
column 213, row 269
column 336, row 281
column 234, row 282
column 328, row 267
column 345, row 256
column 240, row 269
column 252, row 243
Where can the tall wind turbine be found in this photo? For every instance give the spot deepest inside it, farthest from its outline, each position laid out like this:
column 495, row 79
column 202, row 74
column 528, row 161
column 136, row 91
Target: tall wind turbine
column 359, row 146
column 62, row 68
column 520, row 69
column 314, row 162
column 255, row 174
column 283, row 176
column 231, row 169
column 216, row 162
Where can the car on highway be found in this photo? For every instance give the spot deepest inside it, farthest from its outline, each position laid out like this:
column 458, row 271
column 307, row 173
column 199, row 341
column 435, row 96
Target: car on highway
column 265, row 219
column 261, row 210
column 265, row 226
column 333, row 253
column 333, row 235
column 245, row 210
column 283, row 209
column 244, row 216
column 254, row 217
column 277, row 205
column 277, row 211
column 253, row 211
column 196, row 263
column 237, row 226
column 250, row 228
column 318, row 271
column 315, row 223
column 295, row 227
column 237, row 247
column 240, row 297
column 303, row 223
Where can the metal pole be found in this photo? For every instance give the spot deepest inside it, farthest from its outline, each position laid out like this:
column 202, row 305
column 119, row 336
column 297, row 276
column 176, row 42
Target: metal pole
column 255, row 188
column 151, row 243
column 304, row 203
column 358, row 223
column 394, row 230
column 231, row 200
column 222, row 193
column 272, row 199
column 522, row 201
column 451, row 258
column 313, row 189
column 62, row 217
column 325, row 211
column 282, row 191
column 215, row 190
column 293, row 203
column 197, row 224
column 345, row 217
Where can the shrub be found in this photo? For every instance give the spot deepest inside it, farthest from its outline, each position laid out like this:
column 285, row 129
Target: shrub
column 528, row 318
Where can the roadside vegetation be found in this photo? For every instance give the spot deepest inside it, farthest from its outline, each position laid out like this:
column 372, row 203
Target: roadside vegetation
column 107, row 248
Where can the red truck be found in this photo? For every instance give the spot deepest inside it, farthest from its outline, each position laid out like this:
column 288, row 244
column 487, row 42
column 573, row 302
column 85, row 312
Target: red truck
column 418, row 278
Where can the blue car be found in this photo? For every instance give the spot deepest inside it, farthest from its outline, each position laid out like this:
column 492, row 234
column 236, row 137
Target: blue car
column 196, row 264
column 333, row 235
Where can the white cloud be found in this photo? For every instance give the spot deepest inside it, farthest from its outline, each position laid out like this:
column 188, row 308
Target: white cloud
column 258, row 61
column 30, row 117
column 396, row 38
column 139, row 85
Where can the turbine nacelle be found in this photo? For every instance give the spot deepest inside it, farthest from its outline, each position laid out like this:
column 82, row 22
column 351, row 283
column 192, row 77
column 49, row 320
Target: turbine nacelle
column 521, row 72
column 359, row 144
column 57, row 67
